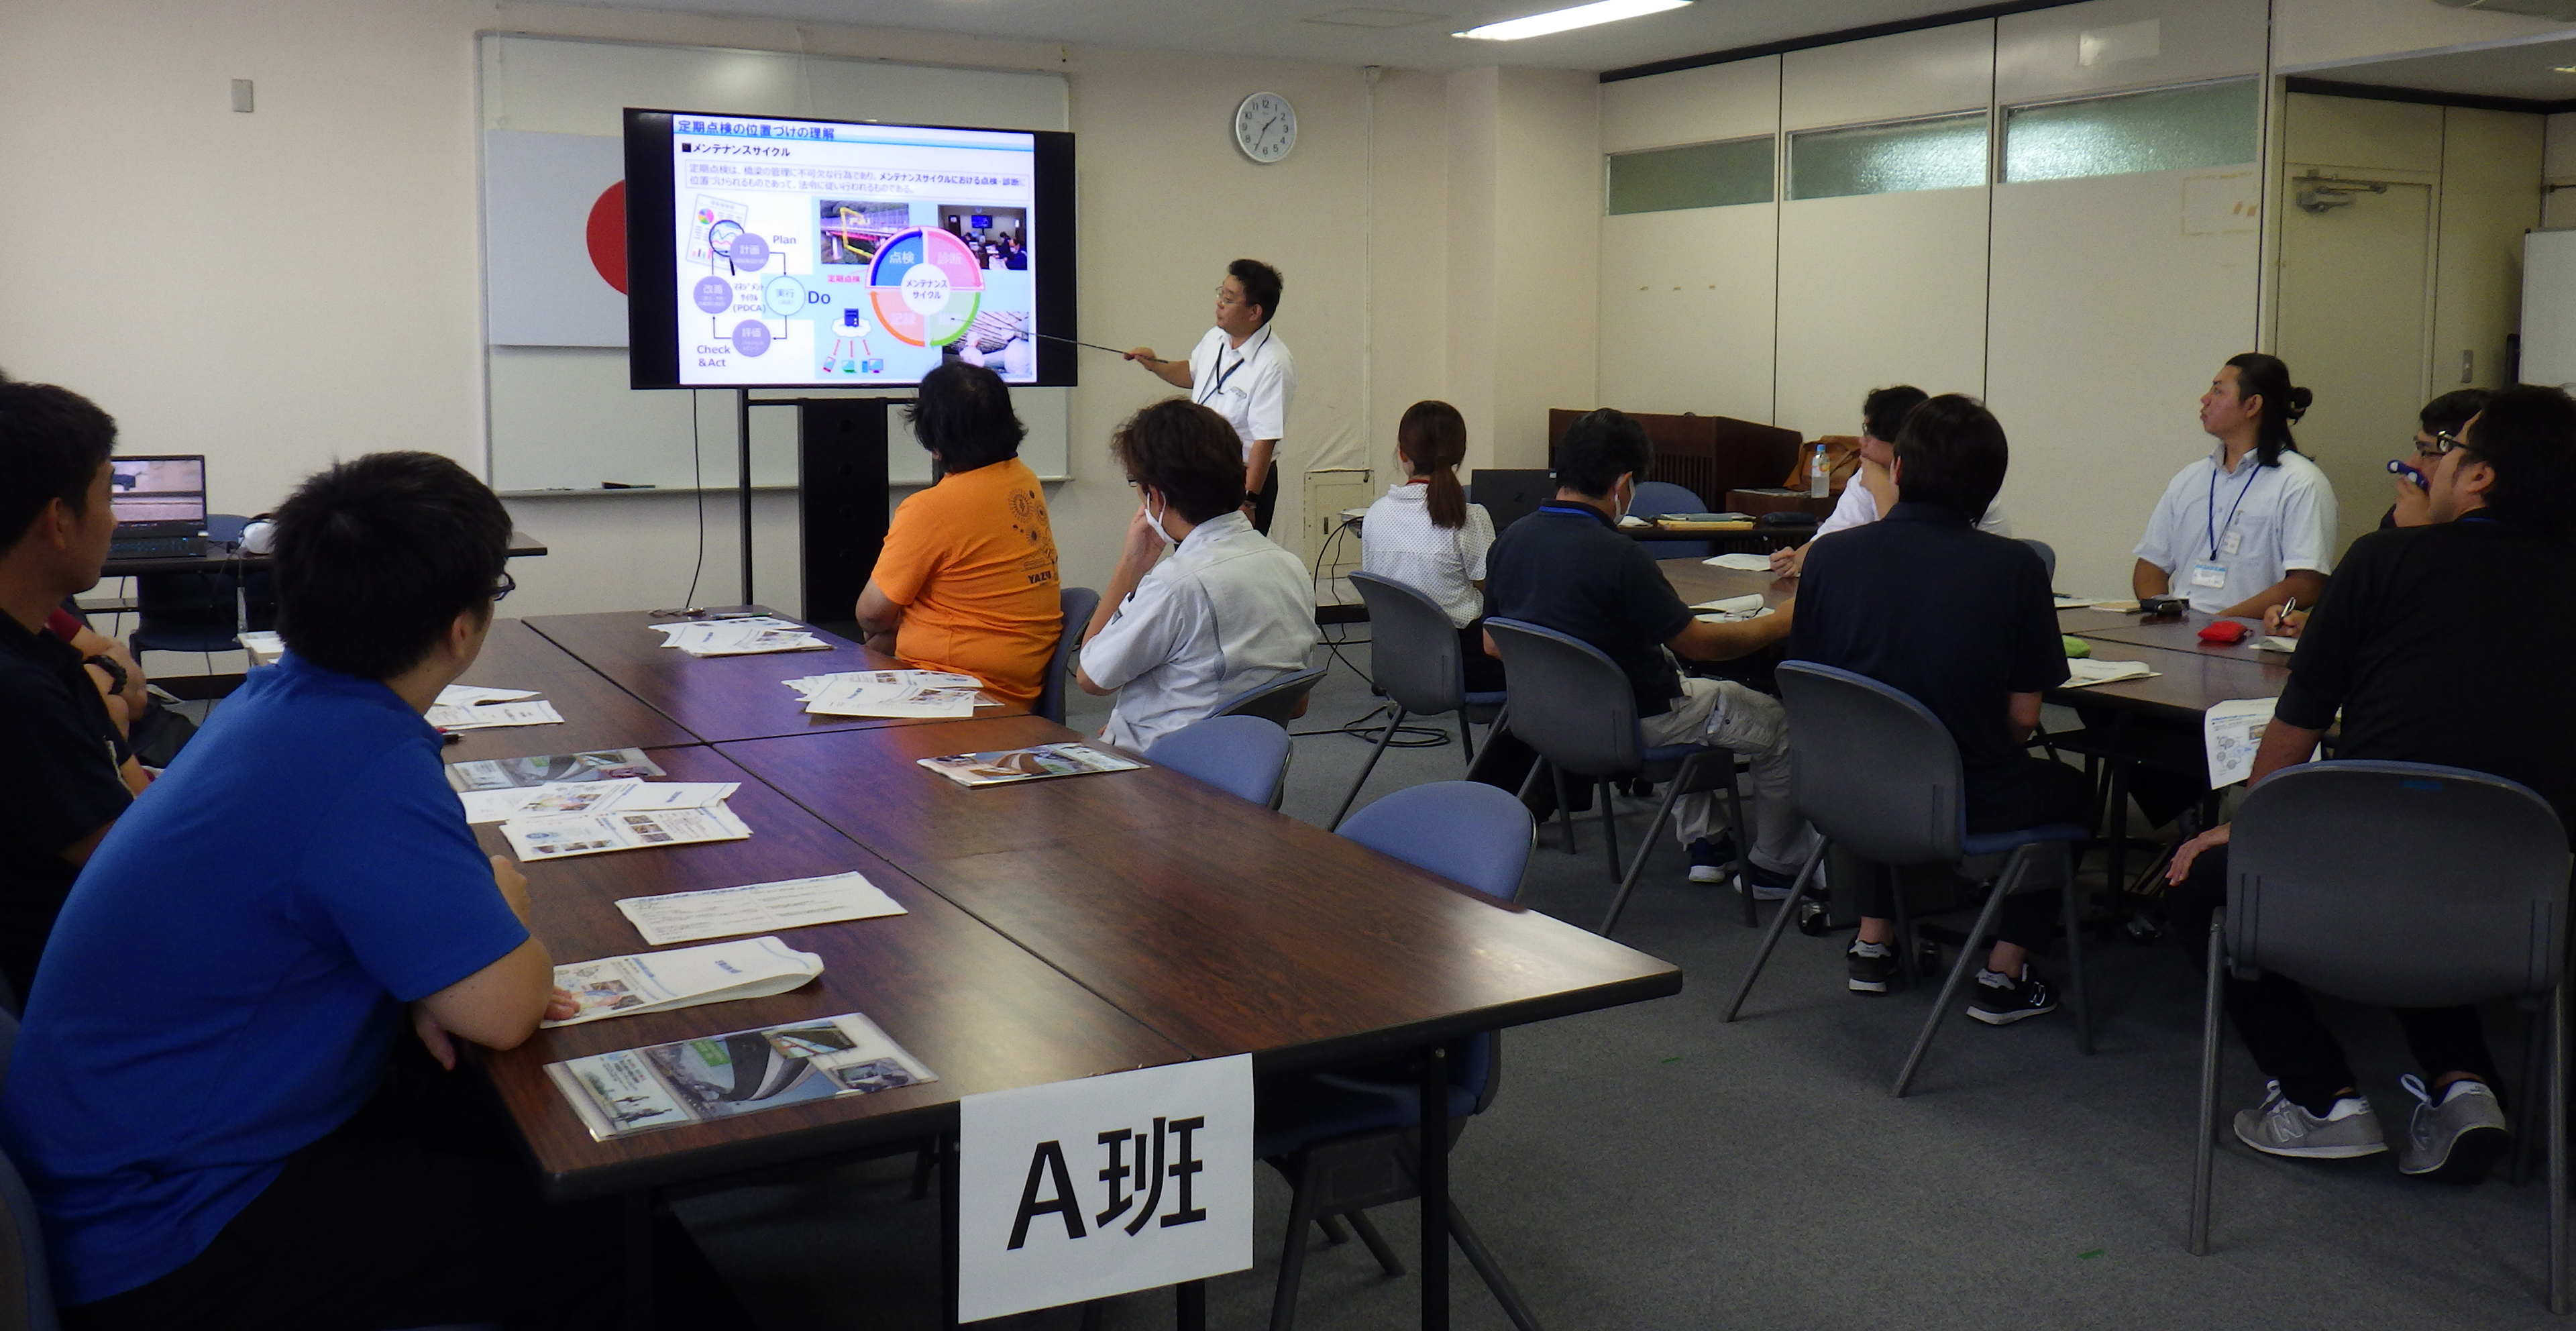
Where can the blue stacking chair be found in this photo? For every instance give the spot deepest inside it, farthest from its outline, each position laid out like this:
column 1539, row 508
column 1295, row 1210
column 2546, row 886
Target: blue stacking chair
column 1575, row 707
column 1079, row 604
column 1241, row 755
column 2398, row 885
column 1657, row 498
column 1275, row 701
column 1878, row 774
column 1340, row 1139
column 1415, row 654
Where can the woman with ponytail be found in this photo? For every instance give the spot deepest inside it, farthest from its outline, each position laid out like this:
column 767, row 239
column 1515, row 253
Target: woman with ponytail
column 2252, row 525
column 1424, row 534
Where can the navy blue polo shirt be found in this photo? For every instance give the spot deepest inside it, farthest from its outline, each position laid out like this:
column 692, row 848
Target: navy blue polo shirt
column 1566, row 567
column 1955, row 617
column 227, row 977
column 60, row 784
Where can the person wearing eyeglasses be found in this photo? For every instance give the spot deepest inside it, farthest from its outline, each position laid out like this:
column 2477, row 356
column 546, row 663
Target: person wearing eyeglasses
column 2428, row 648
column 227, row 1094
column 2437, row 431
column 1243, row 372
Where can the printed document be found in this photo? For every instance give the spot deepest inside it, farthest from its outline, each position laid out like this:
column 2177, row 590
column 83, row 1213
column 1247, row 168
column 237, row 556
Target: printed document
column 740, row 637
column 1005, row 766
column 626, row 796
column 743, row 1072
column 1741, row 563
column 504, row 773
column 2083, row 671
column 2233, row 732
column 466, row 695
column 487, row 716
column 565, row 835
column 721, row 912
column 684, row 977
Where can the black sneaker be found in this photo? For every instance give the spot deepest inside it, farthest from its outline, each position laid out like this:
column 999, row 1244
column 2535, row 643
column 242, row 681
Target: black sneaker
column 1764, row 884
column 1869, row 974
column 2001, row 1001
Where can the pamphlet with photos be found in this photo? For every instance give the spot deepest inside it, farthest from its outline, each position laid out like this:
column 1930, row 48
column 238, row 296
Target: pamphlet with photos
column 509, row 773
column 623, row 796
column 935, row 694
column 565, row 835
column 743, row 1072
column 720, row 912
column 753, row 636
column 684, row 977
column 1004, row 766
column 492, row 715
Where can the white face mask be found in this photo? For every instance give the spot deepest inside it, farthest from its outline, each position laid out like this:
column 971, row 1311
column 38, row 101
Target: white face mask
column 1155, row 516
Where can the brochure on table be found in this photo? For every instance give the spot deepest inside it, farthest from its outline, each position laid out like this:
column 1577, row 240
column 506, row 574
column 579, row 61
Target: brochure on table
column 566, row 835
column 740, row 1072
column 684, row 977
column 721, row 912
column 510, row 773
column 1003, row 767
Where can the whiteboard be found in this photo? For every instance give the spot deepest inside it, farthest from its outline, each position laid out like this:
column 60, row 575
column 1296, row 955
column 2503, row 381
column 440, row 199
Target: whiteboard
column 561, row 417
column 2549, row 307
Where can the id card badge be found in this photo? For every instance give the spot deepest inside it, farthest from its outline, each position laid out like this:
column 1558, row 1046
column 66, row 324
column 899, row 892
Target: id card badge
column 2234, row 542
column 2209, row 575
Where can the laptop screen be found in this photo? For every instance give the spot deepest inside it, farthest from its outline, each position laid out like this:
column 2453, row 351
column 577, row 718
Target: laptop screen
column 168, row 491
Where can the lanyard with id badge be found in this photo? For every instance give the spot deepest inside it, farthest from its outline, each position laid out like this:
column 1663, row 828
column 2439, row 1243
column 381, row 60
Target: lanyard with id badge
column 2211, row 573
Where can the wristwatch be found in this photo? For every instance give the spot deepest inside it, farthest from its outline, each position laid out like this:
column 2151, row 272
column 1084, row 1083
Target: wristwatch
column 115, row 672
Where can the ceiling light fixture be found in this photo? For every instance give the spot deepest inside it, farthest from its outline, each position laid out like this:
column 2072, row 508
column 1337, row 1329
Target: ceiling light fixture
column 1564, row 20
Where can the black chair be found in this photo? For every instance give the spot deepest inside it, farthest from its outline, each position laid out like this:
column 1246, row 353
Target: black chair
column 2397, row 885
column 1079, row 604
column 1576, row 708
column 1878, row 774
column 1276, row 701
column 1419, row 663
column 1344, row 1141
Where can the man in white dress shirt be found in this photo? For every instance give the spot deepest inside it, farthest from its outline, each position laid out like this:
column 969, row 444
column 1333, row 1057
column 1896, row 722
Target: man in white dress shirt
column 1227, row 611
column 1242, row 371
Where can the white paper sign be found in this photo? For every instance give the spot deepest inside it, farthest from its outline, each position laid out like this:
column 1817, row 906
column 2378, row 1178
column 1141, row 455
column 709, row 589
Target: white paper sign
column 1083, row 1189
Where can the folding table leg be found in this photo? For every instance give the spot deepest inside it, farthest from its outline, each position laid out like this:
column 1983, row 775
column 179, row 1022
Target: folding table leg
column 2557, row 1130
column 1435, row 1188
column 1191, row 1296
column 2075, row 954
column 639, row 1260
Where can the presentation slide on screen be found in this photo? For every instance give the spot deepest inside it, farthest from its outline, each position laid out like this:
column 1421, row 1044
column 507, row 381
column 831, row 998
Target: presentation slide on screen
column 833, row 254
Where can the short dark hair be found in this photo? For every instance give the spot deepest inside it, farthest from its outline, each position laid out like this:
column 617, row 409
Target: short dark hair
column 2528, row 434
column 1599, row 448
column 963, row 413
column 376, row 557
column 1954, row 456
column 1261, row 284
column 1186, row 451
column 1883, row 412
column 2451, row 411
column 52, row 443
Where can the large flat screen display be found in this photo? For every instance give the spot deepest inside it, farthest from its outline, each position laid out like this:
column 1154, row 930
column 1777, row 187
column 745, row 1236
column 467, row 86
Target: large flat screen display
column 778, row 253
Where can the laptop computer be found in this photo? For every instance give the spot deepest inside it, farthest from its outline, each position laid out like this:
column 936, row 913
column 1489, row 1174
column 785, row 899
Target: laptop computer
column 1510, row 495
column 160, row 507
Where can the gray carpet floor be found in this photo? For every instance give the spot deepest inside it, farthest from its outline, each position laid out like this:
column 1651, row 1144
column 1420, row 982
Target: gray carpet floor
column 1651, row 1167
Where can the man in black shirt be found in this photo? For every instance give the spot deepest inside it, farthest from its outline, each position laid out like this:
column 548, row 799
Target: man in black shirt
column 1566, row 567
column 2440, row 644
column 63, row 768
column 1961, row 621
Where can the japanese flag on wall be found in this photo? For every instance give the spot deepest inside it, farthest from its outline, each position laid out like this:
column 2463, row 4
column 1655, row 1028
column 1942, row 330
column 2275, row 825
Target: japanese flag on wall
column 554, row 239
column 1083, row 1189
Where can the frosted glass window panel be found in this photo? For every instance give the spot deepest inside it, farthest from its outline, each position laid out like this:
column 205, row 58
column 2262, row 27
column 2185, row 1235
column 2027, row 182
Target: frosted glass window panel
column 1702, row 175
column 2165, row 130
column 1937, row 152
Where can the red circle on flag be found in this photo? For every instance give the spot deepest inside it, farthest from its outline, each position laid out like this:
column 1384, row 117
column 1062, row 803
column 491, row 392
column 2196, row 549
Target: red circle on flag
column 606, row 236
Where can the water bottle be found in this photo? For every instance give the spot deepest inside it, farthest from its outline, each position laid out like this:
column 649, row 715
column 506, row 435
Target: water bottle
column 1819, row 483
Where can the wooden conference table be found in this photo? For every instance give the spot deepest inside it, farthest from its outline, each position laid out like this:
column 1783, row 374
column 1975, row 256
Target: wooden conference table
column 1055, row 929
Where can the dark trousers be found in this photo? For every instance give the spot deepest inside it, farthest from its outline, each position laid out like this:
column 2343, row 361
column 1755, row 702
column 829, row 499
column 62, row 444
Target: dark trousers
column 1265, row 501
column 416, row 1212
column 2279, row 1023
column 1484, row 673
column 2172, row 771
column 2052, row 792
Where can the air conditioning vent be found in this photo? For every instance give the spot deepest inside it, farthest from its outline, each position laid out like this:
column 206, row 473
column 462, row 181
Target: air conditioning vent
column 2562, row 10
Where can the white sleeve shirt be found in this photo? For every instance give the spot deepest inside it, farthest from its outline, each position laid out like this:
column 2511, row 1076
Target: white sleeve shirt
column 2255, row 525
column 1859, row 508
column 1227, row 611
column 1248, row 385
column 1400, row 543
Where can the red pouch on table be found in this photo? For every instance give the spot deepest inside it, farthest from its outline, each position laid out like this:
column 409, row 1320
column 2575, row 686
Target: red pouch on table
column 2222, row 631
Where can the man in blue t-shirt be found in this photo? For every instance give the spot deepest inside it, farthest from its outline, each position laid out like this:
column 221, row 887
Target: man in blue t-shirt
column 201, row 1097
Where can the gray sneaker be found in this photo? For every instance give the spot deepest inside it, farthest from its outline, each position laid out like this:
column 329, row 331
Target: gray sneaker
column 2457, row 1138
column 2279, row 1126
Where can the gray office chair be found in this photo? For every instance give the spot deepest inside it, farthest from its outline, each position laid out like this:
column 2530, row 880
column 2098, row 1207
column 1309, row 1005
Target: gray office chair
column 1275, row 701
column 1879, row 775
column 1079, row 603
column 1342, row 1140
column 1415, row 654
column 2397, row 885
column 1241, row 755
column 1575, row 707
column 2047, row 557
column 28, row 1304
column 1657, row 498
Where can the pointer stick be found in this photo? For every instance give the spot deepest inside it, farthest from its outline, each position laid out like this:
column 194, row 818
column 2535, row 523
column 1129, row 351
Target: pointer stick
column 1097, row 347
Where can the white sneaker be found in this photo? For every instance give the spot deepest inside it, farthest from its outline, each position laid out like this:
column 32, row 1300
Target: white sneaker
column 2279, row 1126
column 2457, row 1138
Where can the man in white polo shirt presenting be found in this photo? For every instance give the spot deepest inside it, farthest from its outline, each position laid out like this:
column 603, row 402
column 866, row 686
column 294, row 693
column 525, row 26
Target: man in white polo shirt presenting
column 1243, row 372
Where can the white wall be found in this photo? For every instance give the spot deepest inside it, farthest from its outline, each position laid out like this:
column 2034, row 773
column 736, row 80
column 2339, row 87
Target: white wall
column 316, row 276
column 2316, row 34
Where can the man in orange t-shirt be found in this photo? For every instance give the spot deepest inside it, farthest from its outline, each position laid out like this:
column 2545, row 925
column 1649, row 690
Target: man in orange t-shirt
column 967, row 580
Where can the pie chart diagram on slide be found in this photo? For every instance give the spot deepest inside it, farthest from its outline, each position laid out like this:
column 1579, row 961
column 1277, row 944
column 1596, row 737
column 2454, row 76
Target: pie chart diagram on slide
column 926, row 287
